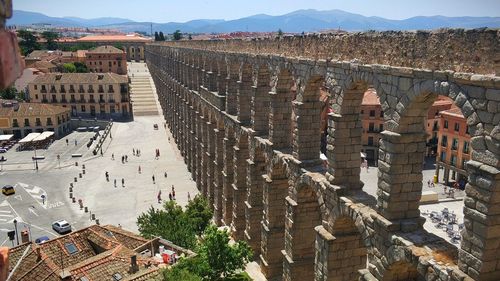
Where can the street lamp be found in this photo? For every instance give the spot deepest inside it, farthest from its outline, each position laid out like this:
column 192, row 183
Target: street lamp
column 15, row 227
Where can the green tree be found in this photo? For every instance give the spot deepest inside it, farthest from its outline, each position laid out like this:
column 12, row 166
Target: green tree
column 28, row 42
column 177, row 273
column 51, row 38
column 170, row 223
column 190, row 37
column 198, row 214
column 80, row 67
column 177, row 35
column 69, row 67
column 161, row 36
column 157, row 37
column 280, row 32
column 9, row 93
column 223, row 260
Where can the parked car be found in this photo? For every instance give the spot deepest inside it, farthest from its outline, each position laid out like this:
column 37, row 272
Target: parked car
column 3, row 150
column 42, row 239
column 8, row 190
column 61, row 226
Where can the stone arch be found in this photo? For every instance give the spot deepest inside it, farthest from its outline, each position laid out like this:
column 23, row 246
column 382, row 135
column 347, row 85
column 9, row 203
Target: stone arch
column 240, row 187
column 303, row 214
column 399, row 266
column 228, row 173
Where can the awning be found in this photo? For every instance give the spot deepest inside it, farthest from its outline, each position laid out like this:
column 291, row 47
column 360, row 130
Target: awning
column 44, row 135
column 30, row 137
column 6, row 137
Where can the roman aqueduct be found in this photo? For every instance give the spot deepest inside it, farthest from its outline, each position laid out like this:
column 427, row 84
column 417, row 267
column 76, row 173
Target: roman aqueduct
column 246, row 117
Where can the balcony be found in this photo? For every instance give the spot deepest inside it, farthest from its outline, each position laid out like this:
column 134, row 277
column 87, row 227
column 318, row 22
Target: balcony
column 62, row 90
column 64, row 101
column 72, row 100
column 45, row 100
column 90, row 91
column 111, row 100
column 71, row 90
column 82, row 101
column 102, row 101
column 43, row 91
column 81, row 91
column 15, row 125
column 100, row 91
column 53, row 101
column 38, row 124
column 92, row 100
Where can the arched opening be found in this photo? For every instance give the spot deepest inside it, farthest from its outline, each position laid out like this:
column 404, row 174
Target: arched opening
column 280, row 130
column 232, row 88
column 302, row 216
column 228, row 176
column 218, row 176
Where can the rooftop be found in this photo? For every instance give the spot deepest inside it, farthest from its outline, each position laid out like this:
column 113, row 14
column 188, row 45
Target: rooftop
column 84, row 78
column 26, row 109
column 453, row 111
column 106, row 50
column 112, row 38
column 93, row 253
column 370, row 97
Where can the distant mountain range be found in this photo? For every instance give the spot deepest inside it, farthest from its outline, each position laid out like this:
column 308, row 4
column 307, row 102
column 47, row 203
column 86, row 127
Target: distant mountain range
column 298, row 21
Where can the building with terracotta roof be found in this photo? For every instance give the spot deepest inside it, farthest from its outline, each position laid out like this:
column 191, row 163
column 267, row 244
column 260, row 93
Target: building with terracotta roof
column 22, row 118
column 47, row 61
column 453, row 149
column 91, row 254
column 133, row 44
column 95, row 95
column 106, row 59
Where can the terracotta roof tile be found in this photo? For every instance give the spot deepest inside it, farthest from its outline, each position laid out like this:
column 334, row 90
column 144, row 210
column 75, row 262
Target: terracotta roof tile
column 85, row 78
column 32, row 110
column 106, row 50
column 110, row 38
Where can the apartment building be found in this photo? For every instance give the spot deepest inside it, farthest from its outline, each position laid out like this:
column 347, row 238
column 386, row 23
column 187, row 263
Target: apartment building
column 21, row 118
column 106, row 59
column 87, row 95
column 454, row 148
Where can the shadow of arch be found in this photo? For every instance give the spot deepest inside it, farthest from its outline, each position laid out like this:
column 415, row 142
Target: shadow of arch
column 400, row 268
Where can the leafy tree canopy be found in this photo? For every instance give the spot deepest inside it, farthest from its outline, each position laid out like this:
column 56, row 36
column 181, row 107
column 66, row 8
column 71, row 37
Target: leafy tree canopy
column 177, row 35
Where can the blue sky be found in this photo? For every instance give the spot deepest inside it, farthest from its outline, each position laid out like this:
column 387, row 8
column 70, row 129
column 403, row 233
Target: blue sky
column 185, row 10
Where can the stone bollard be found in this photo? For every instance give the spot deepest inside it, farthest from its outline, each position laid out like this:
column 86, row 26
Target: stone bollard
column 97, row 221
column 71, row 194
column 92, row 217
column 76, row 179
column 86, row 209
column 83, row 172
column 76, row 164
column 80, row 175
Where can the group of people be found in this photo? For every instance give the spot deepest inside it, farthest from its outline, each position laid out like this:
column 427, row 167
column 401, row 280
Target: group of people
column 171, row 195
column 448, row 191
column 136, row 152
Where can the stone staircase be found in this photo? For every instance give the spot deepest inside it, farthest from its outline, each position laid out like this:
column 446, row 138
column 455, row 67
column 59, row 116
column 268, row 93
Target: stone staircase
column 142, row 95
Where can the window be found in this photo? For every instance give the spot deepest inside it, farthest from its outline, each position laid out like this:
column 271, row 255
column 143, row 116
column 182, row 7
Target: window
column 110, row 89
column 372, row 113
column 457, row 127
column 466, row 147
column 362, row 112
column 49, row 121
column 43, row 88
column 371, row 127
column 119, row 64
column 71, row 248
column 38, row 122
column 36, row 97
column 454, row 144
column 100, row 63
column 109, row 64
column 445, row 124
column 467, row 130
column 83, row 108
column 436, row 126
column 36, row 87
column 54, row 99
column 112, row 109
column 381, row 127
column 443, row 156
column 453, row 160
column 26, row 122
column 370, row 140
column 14, row 123
column 382, row 114
column 444, row 141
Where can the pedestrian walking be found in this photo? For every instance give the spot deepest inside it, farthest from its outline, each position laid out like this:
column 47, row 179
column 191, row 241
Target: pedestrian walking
column 429, row 183
column 123, row 182
column 126, row 158
column 107, row 175
column 76, row 142
column 153, row 177
column 170, row 196
column 67, row 142
column 123, row 159
column 189, row 197
column 133, row 151
column 173, row 188
column 112, row 156
column 173, row 194
column 165, row 174
column 115, row 182
column 445, row 188
column 159, row 196
column 139, row 169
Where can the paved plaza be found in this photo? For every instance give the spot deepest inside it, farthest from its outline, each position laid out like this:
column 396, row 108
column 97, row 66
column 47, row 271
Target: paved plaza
column 109, row 204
